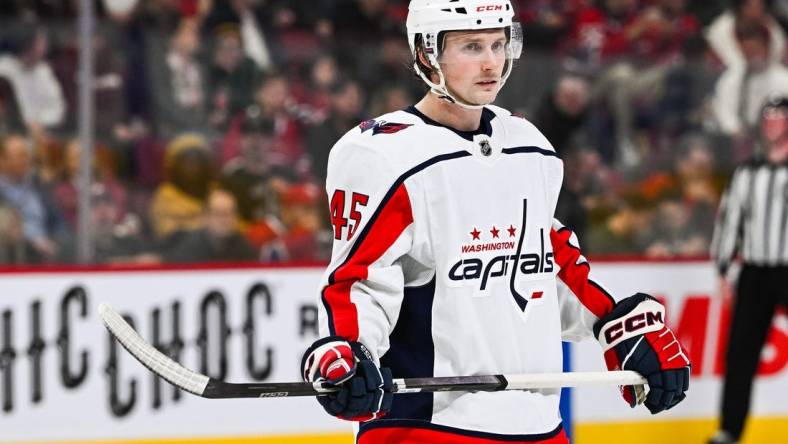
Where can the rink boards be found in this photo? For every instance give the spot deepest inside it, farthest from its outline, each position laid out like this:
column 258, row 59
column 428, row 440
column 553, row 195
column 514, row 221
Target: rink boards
column 61, row 370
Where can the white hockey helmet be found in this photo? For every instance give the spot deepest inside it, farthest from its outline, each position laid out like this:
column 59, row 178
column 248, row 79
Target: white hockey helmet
column 430, row 18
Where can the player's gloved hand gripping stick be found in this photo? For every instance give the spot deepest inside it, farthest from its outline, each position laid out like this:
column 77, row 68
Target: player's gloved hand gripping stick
column 206, row 387
column 365, row 390
column 634, row 337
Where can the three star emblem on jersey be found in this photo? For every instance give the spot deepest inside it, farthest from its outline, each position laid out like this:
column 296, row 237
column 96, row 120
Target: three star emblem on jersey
column 382, row 127
column 494, row 231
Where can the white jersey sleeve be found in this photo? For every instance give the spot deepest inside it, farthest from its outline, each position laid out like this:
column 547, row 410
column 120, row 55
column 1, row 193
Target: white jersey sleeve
column 362, row 289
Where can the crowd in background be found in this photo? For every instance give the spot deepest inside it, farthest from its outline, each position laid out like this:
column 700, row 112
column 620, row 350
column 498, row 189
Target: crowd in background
column 214, row 118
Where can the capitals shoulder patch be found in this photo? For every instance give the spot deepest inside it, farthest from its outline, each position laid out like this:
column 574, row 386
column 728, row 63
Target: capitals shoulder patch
column 382, row 127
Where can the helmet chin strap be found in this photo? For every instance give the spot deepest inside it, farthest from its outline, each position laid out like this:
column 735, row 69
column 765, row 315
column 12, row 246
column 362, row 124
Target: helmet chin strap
column 442, row 91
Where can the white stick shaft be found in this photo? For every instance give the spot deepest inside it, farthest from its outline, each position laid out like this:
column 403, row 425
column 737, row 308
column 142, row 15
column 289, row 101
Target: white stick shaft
column 574, row 379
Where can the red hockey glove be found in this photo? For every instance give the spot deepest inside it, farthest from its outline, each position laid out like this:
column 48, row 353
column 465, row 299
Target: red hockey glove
column 634, row 337
column 365, row 389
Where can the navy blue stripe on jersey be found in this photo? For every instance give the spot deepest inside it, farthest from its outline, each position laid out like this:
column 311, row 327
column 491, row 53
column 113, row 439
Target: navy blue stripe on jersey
column 485, row 125
column 329, row 313
column 521, row 301
column 529, row 149
column 416, row 424
column 411, row 351
column 364, row 232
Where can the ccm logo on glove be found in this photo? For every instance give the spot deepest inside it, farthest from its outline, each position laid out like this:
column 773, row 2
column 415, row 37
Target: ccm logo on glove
column 646, row 316
column 633, row 324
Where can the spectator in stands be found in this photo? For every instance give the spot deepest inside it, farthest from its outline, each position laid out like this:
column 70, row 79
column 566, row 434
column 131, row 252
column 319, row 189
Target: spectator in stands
column 66, row 188
column 178, row 203
column 15, row 248
column 623, row 231
column 686, row 88
column 231, row 76
column 249, row 19
column 597, row 37
column 698, row 180
column 741, row 91
column 564, row 111
column 247, row 176
column 685, row 200
column 388, row 65
column 305, row 239
column 673, row 234
column 546, row 22
column 723, row 37
column 115, row 240
column 178, row 84
column 219, row 240
column 10, row 117
column 646, row 47
column 37, row 90
column 571, row 208
column 274, row 101
column 316, row 93
column 660, row 31
column 347, row 101
column 356, row 20
column 20, row 187
column 112, row 120
column 387, row 100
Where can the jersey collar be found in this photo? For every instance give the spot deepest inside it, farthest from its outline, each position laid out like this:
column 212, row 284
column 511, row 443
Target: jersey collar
column 485, row 126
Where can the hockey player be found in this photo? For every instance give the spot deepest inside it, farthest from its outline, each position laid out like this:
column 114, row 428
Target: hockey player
column 447, row 260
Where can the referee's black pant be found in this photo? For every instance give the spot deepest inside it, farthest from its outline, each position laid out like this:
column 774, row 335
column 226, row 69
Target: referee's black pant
column 760, row 290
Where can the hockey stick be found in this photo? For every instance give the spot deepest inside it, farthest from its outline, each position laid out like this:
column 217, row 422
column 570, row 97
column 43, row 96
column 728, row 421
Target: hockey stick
column 206, row 387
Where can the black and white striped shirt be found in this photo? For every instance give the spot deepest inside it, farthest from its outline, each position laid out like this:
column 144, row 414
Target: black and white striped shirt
column 753, row 217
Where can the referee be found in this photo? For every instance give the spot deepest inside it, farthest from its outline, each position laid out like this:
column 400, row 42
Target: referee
column 753, row 222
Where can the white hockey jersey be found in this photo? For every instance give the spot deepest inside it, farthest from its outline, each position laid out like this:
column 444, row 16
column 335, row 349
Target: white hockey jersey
column 447, row 261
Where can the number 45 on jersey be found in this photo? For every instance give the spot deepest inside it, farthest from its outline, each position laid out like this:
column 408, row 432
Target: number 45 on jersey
column 338, row 218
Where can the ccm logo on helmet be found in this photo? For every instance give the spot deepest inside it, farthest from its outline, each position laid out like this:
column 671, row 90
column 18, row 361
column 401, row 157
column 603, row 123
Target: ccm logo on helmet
column 632, row 324
column 489, row 8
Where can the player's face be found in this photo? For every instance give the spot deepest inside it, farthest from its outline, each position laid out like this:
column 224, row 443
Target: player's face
column 774, row 128
column 472, row 63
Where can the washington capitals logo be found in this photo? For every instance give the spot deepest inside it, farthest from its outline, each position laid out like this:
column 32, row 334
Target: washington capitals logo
column 382, row 127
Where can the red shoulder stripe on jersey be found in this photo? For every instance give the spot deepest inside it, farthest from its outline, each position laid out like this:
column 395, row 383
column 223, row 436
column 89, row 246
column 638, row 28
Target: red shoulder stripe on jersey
column 575, row 275
column 392, row 219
